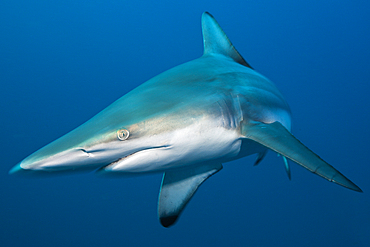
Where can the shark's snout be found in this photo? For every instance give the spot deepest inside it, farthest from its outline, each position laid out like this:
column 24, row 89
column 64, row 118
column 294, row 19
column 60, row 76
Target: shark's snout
column 66, row 160
column 16, row 169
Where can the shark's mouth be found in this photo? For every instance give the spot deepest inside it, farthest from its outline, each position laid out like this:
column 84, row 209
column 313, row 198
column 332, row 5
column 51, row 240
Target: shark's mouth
column 110, row 166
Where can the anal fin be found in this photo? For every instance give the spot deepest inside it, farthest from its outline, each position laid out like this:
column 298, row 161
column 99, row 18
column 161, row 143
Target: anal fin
column 287, row 168
column 178, row 187
column 260, row 157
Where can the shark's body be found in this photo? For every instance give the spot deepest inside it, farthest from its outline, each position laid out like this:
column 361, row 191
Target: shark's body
column 186, row 122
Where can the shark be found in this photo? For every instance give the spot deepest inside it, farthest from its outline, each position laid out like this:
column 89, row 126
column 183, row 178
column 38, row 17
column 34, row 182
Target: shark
column 185, row 123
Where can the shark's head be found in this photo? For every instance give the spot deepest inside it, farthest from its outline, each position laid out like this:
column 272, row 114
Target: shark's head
column 141, row 137
column 101, row 142
column 73, row 152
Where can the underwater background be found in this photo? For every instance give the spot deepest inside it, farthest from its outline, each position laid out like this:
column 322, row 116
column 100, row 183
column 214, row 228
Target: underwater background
column 61, row 62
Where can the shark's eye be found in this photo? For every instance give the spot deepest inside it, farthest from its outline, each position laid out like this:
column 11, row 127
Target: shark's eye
column 123, row 134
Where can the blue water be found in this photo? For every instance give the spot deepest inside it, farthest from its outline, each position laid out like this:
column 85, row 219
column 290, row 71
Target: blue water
column 61, row 62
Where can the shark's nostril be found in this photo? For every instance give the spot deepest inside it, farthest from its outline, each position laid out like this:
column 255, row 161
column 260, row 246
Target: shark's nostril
column 86, row 152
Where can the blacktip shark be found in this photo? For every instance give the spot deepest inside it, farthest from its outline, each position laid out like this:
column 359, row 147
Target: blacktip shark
column 186, row 122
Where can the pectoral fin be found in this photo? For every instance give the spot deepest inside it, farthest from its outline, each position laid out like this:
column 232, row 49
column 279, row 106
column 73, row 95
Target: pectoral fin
column 277, row 138
column 177, row 189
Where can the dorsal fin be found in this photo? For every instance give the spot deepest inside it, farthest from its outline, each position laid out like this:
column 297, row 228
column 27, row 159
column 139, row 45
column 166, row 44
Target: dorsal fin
column 216, row 42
